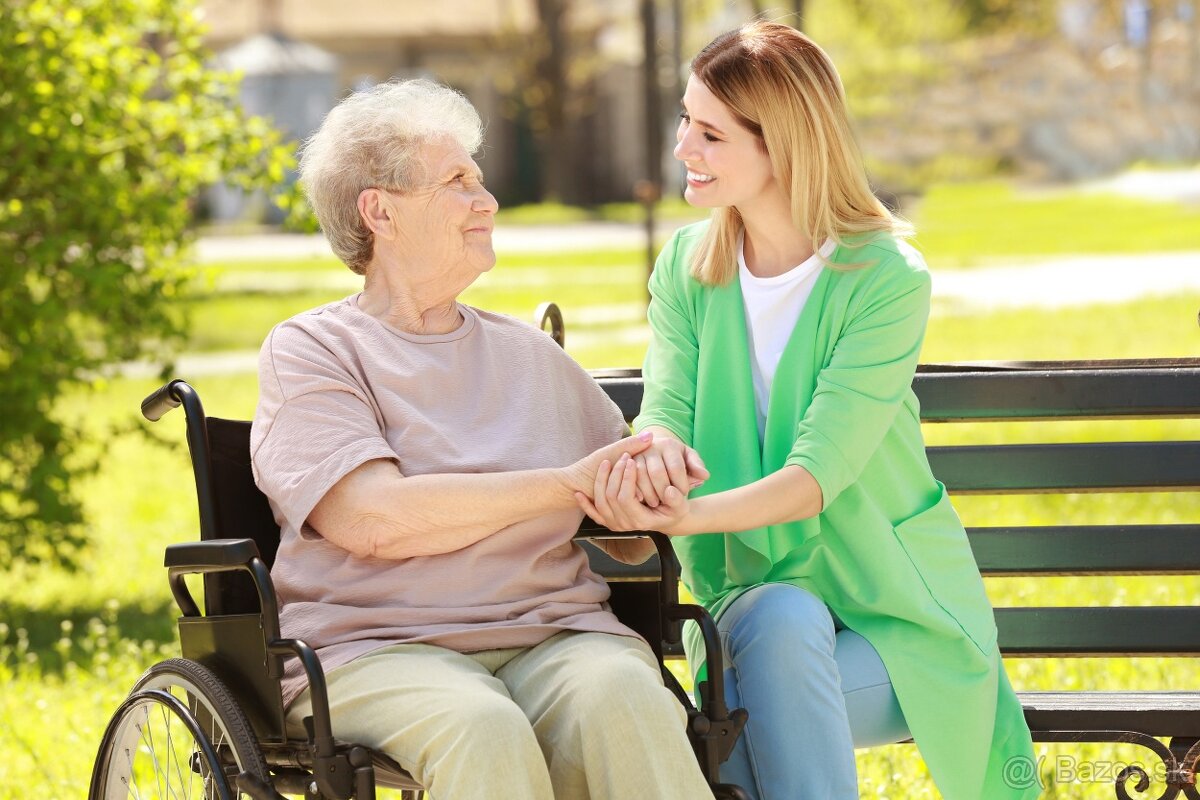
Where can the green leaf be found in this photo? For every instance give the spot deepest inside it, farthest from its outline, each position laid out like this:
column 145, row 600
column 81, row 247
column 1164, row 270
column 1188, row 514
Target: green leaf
column 111, row 124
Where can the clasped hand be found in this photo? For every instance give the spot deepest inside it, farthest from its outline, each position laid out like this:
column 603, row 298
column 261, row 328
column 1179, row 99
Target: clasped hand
column 646, row 491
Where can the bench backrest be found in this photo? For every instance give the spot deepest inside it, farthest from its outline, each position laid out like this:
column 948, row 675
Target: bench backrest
column 1055, row 391
column 948, row 394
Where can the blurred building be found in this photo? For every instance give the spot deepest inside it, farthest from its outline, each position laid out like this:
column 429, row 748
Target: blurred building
column 294, row 84
column 480, row 47
column 1085, row 100
column 1113, row 86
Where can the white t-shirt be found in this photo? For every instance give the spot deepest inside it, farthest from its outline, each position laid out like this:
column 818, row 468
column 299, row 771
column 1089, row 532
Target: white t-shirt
column 773, row 306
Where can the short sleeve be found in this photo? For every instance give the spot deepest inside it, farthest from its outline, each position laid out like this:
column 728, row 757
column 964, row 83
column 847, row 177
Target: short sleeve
column 870, row 373
column 313, row 425
column 599, row 418
column 670, row 368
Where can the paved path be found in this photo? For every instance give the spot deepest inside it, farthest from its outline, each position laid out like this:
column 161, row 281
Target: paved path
column 1049, row 283
column 507, row 239
column 1073, row 281
column 1182, row 185
column 1046, row 284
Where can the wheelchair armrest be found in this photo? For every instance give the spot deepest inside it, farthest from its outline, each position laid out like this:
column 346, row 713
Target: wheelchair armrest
column 649, row 569
column 214, row 555
column 222, row 555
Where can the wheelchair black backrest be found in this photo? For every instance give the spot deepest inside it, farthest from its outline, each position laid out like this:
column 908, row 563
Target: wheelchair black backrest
column 239, row 511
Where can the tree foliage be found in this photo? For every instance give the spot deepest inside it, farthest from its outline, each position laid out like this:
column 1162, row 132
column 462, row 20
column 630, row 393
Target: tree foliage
column 110, row 123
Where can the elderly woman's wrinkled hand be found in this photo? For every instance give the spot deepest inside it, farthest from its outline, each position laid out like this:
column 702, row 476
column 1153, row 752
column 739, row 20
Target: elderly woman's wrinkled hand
column 617, row 504
column 581, row 476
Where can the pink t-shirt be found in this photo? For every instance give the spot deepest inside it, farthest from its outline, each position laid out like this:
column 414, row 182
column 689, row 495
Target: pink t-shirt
column 337, row 388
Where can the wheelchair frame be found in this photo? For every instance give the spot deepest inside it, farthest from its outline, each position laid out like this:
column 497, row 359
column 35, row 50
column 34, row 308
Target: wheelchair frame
column 233, row 653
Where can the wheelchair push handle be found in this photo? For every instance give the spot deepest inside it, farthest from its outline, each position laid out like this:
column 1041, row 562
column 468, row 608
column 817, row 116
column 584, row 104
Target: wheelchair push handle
column 161, row 400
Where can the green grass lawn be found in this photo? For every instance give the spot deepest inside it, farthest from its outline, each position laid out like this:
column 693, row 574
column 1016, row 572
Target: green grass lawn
column 970, row 224
column 957, row 226
column 71, row 644
column 964, row 224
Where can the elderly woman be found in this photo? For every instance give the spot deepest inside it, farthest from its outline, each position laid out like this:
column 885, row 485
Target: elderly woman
column 421, row 457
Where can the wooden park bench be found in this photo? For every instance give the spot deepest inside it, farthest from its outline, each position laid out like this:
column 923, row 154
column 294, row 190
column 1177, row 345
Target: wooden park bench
column 1007, row 392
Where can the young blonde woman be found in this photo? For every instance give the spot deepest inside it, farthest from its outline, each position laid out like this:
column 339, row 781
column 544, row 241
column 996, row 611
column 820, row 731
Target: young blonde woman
column 786, row 331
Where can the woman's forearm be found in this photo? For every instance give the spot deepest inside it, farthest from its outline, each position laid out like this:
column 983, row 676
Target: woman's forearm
column 784, row 496
column 375, row 511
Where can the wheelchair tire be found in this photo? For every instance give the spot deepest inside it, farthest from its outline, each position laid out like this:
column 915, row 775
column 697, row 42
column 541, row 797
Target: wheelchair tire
column 180, row 733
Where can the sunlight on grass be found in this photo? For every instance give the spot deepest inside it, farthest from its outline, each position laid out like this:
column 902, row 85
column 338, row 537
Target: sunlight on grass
column 119, row 618
column 71, row 644
column 970, row 224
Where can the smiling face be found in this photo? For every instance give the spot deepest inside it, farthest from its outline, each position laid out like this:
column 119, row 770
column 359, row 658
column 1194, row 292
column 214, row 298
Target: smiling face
column 727, row 164
column 444, row 226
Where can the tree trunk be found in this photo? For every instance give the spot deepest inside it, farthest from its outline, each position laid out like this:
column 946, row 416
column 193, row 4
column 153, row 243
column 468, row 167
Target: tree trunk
column 550, row 72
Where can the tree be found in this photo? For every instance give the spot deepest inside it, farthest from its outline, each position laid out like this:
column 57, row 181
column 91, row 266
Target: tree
column 550, row 86
column 110, row 124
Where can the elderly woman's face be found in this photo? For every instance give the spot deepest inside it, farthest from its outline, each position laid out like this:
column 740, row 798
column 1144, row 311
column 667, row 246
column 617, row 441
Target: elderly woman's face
column 445, row 224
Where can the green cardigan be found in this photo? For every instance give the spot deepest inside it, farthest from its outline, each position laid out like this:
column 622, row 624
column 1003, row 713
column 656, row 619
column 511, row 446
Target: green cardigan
column 887, row 552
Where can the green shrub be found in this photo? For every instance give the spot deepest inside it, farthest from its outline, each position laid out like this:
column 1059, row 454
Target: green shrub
column 109, row 126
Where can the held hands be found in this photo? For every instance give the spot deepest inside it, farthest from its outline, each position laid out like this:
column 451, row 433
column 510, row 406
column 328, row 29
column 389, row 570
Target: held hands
column 645, row 490
column 581, row 476
column 667, row 462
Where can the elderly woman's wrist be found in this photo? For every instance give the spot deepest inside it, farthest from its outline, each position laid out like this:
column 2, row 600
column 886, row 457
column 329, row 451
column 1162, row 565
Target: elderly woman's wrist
column 567, row 481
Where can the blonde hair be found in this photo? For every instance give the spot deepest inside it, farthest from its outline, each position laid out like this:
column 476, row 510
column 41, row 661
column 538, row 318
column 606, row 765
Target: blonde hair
column 372, row 139
column 783, row 88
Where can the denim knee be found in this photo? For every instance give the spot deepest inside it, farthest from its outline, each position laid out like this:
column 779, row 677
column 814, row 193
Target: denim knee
column 777, row 616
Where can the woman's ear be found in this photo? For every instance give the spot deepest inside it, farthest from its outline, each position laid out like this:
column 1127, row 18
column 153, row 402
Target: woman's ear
column 375, row 208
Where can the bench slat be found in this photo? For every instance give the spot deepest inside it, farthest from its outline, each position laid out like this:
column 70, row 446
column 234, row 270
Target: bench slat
column 1087, row 550
column 1054, row 394
column 1151, row 713
column 1016, row 392
column 1049, row 468
column 625, row 391
column 1040, row 551
column 1100, row 631
column 1036, row 632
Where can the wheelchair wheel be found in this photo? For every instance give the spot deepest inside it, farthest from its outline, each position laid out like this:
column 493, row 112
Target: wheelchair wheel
column 179, row 734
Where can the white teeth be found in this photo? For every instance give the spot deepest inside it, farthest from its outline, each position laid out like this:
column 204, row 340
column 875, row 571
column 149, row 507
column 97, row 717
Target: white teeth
column 699, row 177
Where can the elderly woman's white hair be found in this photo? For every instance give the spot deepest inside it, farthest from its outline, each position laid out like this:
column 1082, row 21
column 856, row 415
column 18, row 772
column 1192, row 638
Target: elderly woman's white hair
column 373, row 139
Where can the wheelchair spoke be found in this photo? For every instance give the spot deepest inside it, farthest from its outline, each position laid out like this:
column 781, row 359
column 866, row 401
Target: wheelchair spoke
column 174, row 757
column 127, row 777
column 171, row 757
column 180, row 735
column 168, row 757
column 148, row 731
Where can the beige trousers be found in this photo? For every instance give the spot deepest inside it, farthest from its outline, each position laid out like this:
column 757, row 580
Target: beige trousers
column 580, row 716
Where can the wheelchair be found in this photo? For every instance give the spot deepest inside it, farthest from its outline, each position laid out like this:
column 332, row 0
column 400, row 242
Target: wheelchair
column 211, row 724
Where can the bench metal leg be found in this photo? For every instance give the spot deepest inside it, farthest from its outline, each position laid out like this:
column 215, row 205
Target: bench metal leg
column 1178, row 760
column 1187, row 754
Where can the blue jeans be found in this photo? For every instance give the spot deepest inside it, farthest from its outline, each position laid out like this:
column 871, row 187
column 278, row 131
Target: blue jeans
column 815, row 690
